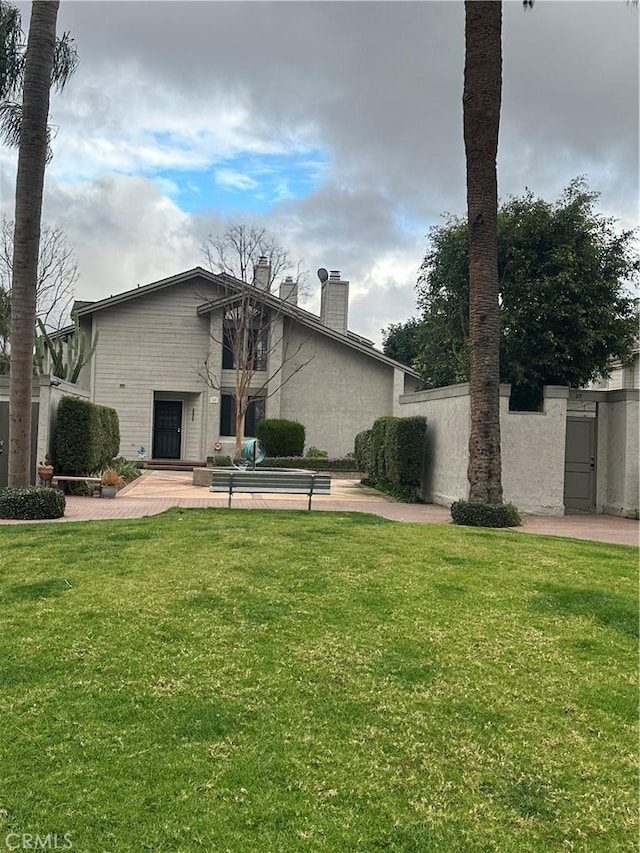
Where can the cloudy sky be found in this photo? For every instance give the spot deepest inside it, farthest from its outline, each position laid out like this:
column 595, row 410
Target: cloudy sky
column 336, row 125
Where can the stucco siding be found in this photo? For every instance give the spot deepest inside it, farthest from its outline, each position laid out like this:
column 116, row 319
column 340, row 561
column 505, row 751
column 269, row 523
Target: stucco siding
column 532, row 447
column 618, row 454
column 155, row 343
column 337, row 394
column 447, row 414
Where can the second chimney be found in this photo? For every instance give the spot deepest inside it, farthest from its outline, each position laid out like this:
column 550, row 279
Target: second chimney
column 334, row 302
column 289, row 291
column 262, row 274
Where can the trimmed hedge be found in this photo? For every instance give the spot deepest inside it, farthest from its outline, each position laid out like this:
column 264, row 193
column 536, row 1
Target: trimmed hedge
column 362, row 450
column 315, row 463
column 404, row 451
column 87, row 437
column 379, row 441
column 476, row 514
column 32, row 502
column 392, row 456
column 281, row 437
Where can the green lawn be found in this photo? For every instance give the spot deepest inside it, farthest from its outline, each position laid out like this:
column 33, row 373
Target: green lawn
column 212, row 680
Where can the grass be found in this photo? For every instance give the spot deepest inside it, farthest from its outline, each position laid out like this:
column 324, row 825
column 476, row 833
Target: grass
column 212, row 680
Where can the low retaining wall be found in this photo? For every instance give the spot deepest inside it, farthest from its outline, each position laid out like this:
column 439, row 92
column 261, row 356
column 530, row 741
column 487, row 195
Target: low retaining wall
column 202, row 476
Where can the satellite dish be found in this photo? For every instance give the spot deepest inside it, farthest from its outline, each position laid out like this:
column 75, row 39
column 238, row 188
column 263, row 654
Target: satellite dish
column 323, row 275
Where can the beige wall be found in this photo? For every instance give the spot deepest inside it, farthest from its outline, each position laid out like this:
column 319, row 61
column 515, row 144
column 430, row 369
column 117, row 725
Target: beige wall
column 447, row 414
column 617, row 469
column 337, row 394
column 532, row 445
column 48, row 396
column 154, row 344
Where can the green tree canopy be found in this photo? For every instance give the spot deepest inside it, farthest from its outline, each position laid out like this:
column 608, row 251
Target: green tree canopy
column 565, row 272
column 401, row 341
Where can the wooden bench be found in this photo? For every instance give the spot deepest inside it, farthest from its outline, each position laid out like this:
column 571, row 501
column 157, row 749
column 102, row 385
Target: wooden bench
column 95, row 482
column 292, row 481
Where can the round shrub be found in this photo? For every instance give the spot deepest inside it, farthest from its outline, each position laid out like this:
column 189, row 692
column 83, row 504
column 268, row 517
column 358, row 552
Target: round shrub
column 281, row 437
column 32, row 502
column 476, row 514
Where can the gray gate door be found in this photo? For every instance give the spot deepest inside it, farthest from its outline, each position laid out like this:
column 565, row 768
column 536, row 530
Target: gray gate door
column 4, row 442
column 580, row 464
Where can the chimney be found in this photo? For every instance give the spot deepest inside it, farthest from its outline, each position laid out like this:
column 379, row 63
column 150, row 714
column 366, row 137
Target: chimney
column 334, row 302
column 262, row 274
column 289, row 291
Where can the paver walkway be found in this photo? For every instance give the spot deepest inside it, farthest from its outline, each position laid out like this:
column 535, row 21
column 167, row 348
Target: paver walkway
column 156, row 491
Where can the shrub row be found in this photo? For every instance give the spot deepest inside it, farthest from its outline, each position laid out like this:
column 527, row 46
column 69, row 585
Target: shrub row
column 32, row 502
column 281, row 437
column 476, row 514
column 392, row 455
column 87, row 437
column 315, row 463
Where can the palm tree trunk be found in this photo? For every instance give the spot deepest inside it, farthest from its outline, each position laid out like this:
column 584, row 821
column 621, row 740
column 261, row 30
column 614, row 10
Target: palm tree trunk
column 481, row 111
column 32, row 157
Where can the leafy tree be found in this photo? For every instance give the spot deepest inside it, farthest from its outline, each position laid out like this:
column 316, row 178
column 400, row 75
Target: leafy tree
column 36, row 80
column 401, row 341
column 563, row 270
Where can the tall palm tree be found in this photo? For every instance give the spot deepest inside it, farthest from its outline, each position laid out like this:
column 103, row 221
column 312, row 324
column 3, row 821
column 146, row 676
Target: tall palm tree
column 32, row 157
column 481, row 117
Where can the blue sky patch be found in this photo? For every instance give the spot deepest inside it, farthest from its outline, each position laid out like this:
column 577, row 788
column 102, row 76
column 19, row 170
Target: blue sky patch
column 247, row 182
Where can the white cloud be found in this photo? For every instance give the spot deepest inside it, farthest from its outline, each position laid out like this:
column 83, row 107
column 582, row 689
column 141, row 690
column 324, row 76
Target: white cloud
column 374, row 86
column 231, row 179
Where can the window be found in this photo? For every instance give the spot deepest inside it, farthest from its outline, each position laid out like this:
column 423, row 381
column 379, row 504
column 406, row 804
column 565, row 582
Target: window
column 254, row 414
column 227, row 415
column 258, row 345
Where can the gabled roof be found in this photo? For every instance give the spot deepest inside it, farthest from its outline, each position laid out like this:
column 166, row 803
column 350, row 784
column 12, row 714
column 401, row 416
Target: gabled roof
column 234, row 288
column 144, row 290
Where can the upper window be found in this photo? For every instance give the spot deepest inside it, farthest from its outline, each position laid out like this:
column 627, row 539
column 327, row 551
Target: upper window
column 256, row 351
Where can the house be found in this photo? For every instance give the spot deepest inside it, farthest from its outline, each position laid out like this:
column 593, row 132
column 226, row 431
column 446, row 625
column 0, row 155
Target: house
column 165, row 362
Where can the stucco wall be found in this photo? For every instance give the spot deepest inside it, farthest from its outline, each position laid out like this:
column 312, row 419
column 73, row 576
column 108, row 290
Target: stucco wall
column 337, row 394
column 447, row 414
column 618, row 472
column 48, row 396
column 532, row 446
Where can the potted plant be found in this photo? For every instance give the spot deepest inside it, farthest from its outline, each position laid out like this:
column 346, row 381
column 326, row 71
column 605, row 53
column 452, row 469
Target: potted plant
column 111, row 482
column 45, row 471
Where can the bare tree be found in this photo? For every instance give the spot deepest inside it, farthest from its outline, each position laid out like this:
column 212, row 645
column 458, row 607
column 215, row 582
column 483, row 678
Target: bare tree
column 57, row 274
column 239, row 248
column 253, row 346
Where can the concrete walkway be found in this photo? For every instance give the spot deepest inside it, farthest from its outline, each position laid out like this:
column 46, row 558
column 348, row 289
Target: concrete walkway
column 156, row 491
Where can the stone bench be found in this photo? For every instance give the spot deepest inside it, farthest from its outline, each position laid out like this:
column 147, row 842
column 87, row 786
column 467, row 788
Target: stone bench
column 95, row 482
column 292, row 481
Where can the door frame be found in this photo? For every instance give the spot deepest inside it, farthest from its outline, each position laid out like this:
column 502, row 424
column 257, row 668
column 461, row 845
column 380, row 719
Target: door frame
column 175, row 400
column 594, row 464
